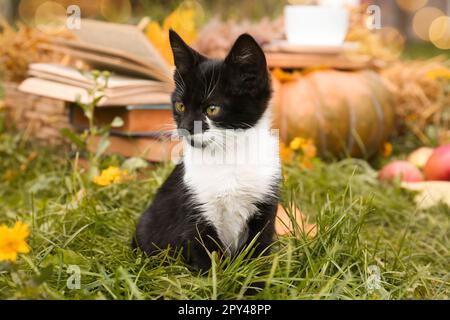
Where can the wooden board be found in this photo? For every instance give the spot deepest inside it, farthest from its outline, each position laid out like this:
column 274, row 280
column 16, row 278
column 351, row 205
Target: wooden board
column 308, row 60
column 286, row 47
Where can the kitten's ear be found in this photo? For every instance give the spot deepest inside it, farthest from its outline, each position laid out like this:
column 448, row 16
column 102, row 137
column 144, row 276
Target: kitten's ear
column 246, row 52
column 184, row 56
column 246, row 67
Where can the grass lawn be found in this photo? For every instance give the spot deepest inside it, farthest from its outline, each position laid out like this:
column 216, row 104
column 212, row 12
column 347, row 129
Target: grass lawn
column 363, row 228
column 423, row 50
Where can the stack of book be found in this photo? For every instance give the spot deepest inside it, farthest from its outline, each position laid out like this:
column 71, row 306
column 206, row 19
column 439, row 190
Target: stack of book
column 138, row 90
column 146, row 129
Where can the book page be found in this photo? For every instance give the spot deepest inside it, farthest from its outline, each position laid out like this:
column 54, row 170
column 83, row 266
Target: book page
column 120, row 39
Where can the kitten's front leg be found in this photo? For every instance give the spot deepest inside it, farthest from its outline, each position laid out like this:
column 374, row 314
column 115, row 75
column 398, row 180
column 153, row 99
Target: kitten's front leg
column 262, row 227
column 200, row 246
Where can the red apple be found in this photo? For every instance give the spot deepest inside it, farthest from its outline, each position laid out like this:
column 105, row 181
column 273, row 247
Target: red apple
column 420, row 157
column 403, row 170
column 438, row 166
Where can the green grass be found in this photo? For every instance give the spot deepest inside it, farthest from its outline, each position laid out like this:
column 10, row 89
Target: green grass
column 360, row 224
column 423, row 50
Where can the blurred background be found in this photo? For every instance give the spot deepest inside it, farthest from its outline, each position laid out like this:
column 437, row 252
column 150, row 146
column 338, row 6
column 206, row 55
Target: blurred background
column 405, row 44
column 361, row 99
column 411, row 18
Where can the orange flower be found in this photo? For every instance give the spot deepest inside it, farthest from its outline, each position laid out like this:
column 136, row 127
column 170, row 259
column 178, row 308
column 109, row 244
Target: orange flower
column 387, row 149
column 309, row 149
column 286, row 154
column 306, row 163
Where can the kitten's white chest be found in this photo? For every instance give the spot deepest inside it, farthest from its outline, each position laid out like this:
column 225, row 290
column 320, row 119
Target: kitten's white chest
column 227, row 186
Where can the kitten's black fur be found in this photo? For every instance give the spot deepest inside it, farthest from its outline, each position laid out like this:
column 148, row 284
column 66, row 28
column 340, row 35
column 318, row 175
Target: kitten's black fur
column 243, row 91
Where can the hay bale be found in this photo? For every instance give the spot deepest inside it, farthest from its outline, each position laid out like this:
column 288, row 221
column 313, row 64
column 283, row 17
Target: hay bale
column 421, row 94
column 41, row 117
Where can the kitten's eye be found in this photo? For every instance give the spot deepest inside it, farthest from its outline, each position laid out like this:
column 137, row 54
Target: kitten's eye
column 212, row 111
column 179, row 106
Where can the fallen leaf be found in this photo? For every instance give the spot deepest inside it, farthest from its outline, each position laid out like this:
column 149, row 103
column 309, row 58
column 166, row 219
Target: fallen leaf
column 284, row 226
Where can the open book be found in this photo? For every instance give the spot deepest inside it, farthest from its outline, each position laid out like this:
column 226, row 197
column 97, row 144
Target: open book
column 117, row 47
column 140, row 76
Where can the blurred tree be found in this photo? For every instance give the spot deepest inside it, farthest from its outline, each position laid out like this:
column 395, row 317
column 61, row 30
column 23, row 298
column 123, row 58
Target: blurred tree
column 235, row 9
column 159, row 9
column 394, row 16
column 7, row 10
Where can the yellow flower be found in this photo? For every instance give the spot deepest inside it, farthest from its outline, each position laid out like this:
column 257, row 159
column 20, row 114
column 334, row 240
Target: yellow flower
column 286, row 153
column 9, row 175
column 284, row 76
column 13, row 241
column 183, row 20
column 412, row 117
column 101, row 181
column 110, row 175
column 442, row 73
column 158, row 37
column 297, row 143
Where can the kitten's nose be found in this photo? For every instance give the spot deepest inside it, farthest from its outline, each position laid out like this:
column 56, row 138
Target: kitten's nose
column 187, row 126
column 192, row 125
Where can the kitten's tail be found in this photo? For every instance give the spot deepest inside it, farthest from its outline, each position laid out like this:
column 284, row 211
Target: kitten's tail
column 134, row 243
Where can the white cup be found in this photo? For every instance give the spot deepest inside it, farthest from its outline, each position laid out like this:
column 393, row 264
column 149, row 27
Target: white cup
column 316, row 25
column 340, row 3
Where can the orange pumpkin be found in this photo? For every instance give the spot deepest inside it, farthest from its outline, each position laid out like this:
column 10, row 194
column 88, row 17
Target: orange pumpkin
column 345, row 113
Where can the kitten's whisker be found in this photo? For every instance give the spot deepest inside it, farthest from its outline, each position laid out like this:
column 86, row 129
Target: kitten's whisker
column 215, row 85
column 203, row 83
column 249, row 126
column 169, row 131
column 218, row 144
column 211, row 92
column 220, row 139
column 171, row 135
column 181, row 77
column 167, row 126
column 210, row 83
column 180, row 86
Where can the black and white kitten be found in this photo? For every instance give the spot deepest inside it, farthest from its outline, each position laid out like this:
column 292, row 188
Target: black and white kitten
column 224, row 193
